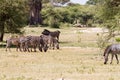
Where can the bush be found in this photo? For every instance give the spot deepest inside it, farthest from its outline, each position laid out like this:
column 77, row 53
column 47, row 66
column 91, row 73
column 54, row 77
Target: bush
column 117, row 39
column 55, row 25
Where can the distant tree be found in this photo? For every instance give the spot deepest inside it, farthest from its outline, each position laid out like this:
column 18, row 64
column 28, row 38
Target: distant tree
column 55, row 17
column 12, row 16
column 93, row 2
column 62, row 1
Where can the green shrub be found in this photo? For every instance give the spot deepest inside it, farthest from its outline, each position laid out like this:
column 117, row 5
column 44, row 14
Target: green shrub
column 55, row 25
column 117, row 39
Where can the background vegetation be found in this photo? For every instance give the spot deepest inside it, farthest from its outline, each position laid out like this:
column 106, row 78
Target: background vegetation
column 14, row 14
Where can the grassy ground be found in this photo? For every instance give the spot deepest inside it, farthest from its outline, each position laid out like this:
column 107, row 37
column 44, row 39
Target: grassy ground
column 78, row 59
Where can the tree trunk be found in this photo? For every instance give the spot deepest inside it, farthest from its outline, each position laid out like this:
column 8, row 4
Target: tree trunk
column 1, row 33
column 1, row 37
column 35, row 8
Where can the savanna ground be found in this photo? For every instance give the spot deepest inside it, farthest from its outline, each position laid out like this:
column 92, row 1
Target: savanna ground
column 79, row 58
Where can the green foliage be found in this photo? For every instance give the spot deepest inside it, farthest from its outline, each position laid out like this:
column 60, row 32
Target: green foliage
column 89, row 23
column 51, row 17
column 109, row 13
column 55, row 16
column 93, row 2
column 12, row 15
column 117, row 39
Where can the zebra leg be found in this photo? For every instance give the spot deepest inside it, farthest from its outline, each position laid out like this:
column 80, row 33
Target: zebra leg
column 57, row 46
column 31, row 48
column 41, row 47
column 50, row 45
column 117, row 58
column 53, row 45
column 112, row 58
column 106, row 58
column 34, row 48
column 6, row 48
column 21, row 47
column 17, row 49
column 27, row 48
column 9, row 49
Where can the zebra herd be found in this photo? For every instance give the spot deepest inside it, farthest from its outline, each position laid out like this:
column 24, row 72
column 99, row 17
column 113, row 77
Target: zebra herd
column 47, row 39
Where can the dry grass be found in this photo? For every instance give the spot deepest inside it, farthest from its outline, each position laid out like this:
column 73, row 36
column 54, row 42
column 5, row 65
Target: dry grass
column 70, row 63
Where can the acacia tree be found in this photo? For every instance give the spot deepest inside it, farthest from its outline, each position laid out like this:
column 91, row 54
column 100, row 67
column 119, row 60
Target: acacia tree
column 110, row 16
column 12, row 16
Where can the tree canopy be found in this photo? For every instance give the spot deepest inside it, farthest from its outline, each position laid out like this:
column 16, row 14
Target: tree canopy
column 12, row 16
column 68, row 14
